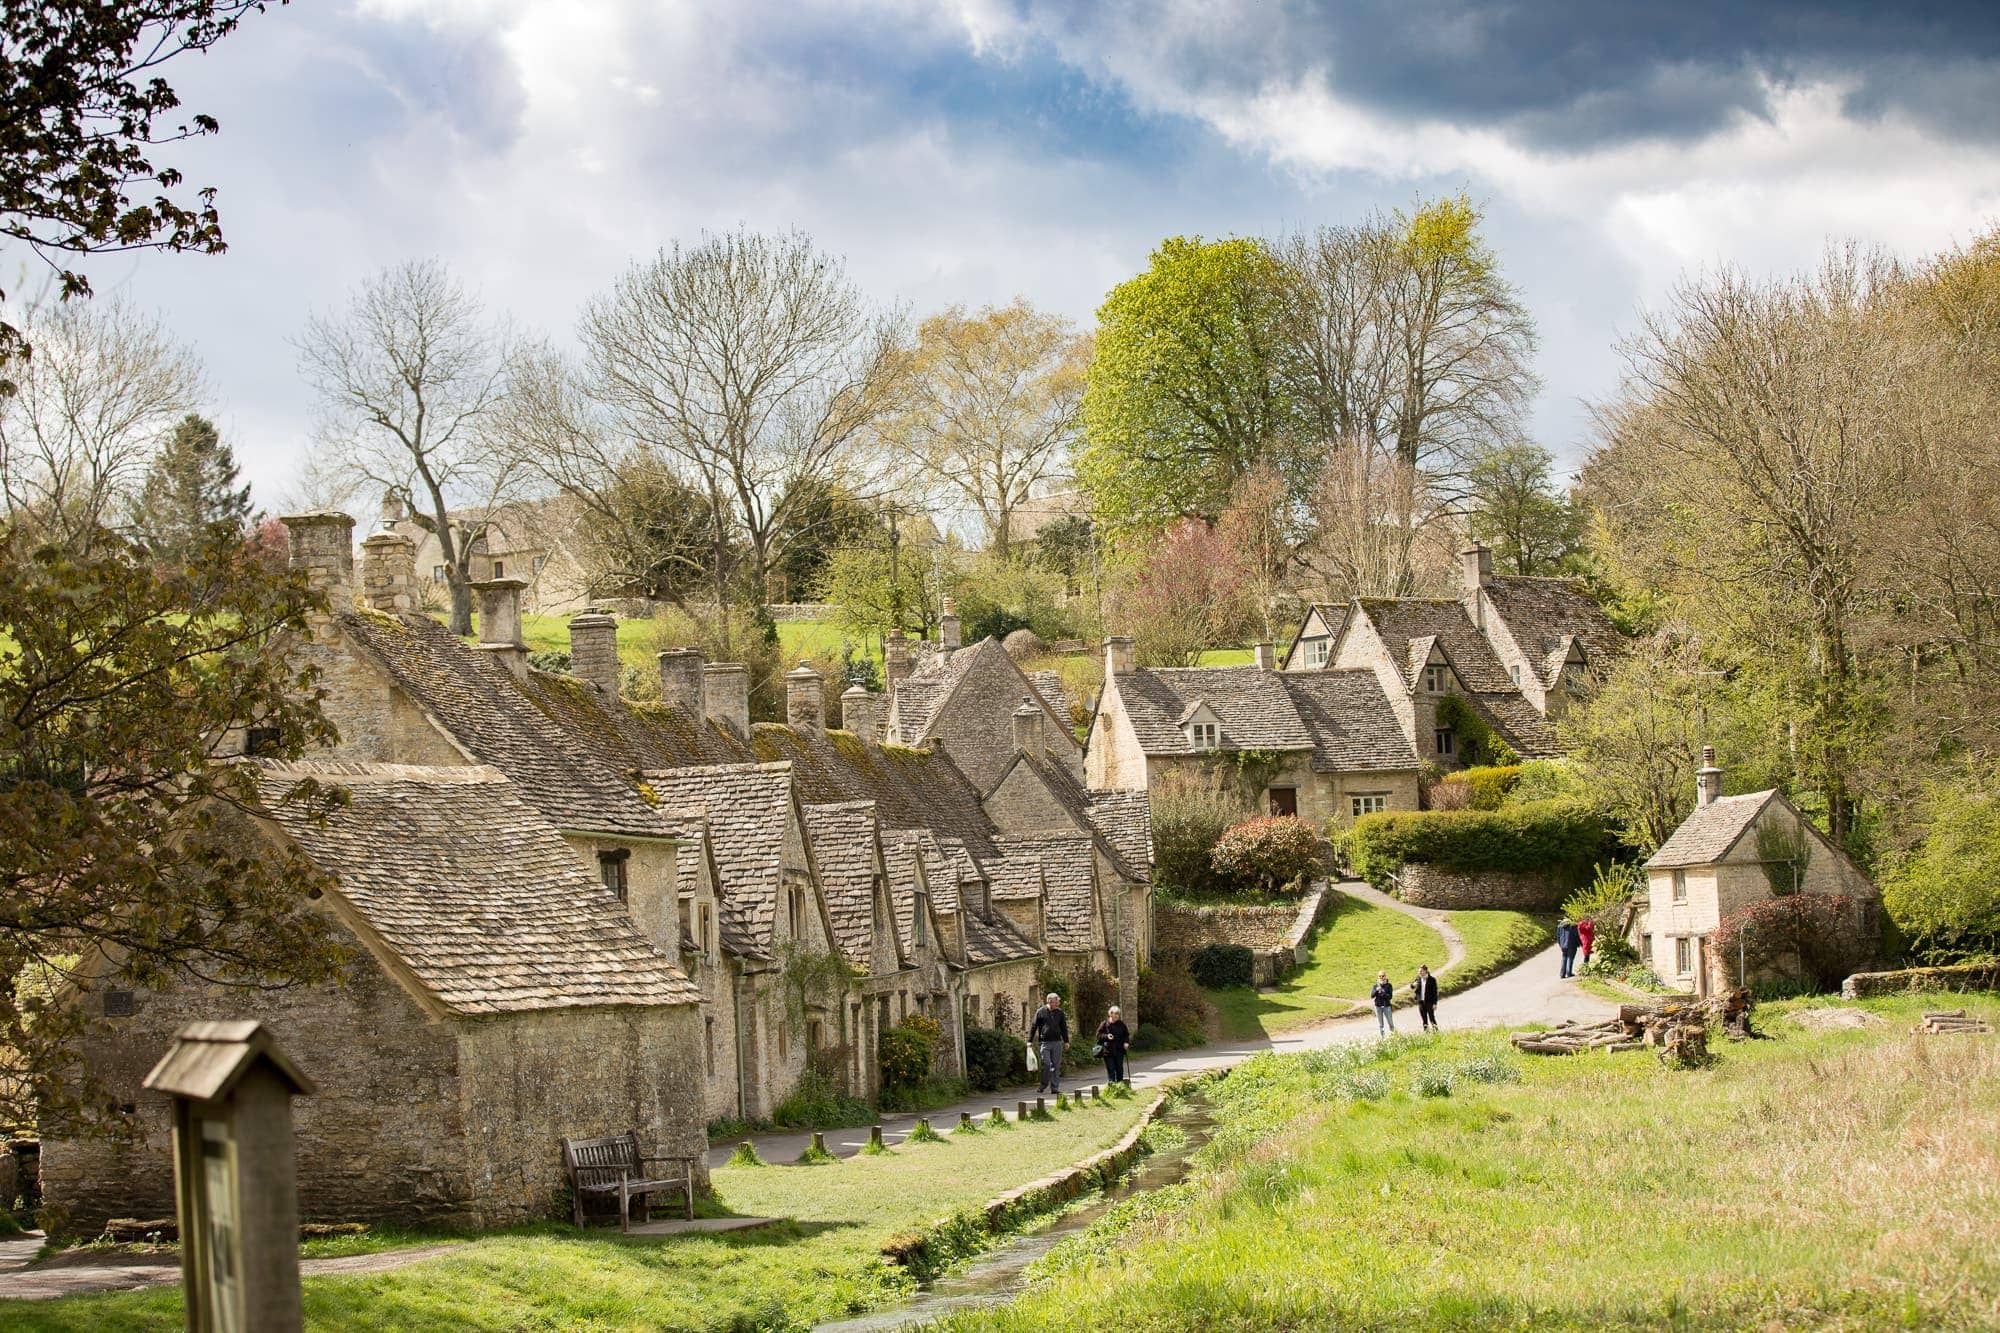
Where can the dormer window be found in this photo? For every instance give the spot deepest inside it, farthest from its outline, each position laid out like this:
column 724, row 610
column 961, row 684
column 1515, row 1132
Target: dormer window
column 1514, row 672
column 1318, row 651
column 1204, row 735
column 612, row 869
column 1437, row 678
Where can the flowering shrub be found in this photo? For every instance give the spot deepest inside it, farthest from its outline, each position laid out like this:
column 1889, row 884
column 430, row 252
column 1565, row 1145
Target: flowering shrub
column 1273, row 853
column 1821, row 938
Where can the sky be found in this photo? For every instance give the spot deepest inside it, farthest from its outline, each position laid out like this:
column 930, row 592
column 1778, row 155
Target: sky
column 972, row 151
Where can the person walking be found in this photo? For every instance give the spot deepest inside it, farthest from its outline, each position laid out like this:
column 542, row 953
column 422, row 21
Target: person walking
column 1050, row 1033
column 1425, row 991
column 1586, row 931
column 1384, row 995
column 1113, row 1039
column 1566, row 942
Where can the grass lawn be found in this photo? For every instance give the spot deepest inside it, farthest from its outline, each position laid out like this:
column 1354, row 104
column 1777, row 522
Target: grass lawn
column 1837, row 1179
column 1354, row 941
column 823, row 1263
column 1494, row 942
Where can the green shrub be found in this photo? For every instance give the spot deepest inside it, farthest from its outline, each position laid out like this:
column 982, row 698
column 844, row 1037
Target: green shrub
column 1826, row 936
column 1485, row 788
column 993, row 1058
column 1173, row 1013
column 1189, row 818
column 1945, row 899
column 818, row 1101
column 1604, row 899
column 1269, row 854
column 1547, row 780
column 1095, row 993
column 1048, row 979
column 1218, row 966
column 905, row 1051
column 1478, row 743
column 1542, row 836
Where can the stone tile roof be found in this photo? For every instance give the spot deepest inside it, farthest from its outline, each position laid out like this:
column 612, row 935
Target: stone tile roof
column 485, row 708
column 1125, row 820
column 747, row 807
column 473, row 891
column 1510, row 713
column 994, row 939
column 1252, row 705
column 902, row 858
column 843, row 849
column 1401, row 620
column 1014, row 877
column 1544, row 614
column 928, row 685
column 954, row 866
column 1069, row 889
column 911, row 787
column 1353, row 729
column 1049, row 684
column 627, row 735
column 1707, row 834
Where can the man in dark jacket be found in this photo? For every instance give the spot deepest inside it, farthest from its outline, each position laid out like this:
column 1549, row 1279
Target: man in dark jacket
column 1567, row 940
column 1424, row 990
column 1050, row 1033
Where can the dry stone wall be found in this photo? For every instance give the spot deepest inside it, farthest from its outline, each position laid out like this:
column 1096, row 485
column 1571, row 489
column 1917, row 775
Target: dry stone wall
column 1276, row 936
column 1423, row 885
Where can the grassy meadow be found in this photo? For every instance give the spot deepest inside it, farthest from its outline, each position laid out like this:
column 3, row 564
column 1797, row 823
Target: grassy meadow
column 823, row 1262
column 1843, row 1178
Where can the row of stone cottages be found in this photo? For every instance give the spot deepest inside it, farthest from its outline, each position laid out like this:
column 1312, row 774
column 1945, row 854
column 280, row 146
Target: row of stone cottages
column 577, row 914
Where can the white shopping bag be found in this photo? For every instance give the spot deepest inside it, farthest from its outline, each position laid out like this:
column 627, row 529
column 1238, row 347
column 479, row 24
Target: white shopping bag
column 1033, row 1064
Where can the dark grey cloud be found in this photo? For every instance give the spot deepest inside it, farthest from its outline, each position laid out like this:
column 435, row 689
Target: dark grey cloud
column 1567, row 74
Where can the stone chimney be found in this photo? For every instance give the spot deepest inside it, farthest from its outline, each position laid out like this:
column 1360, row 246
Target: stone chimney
column 681, row 681
column 593, row 649
column 805, row 700
column 857, row 711
column 1028, row 727
column 1707, row 778
column 1266, row 655
column 725, row 695
column 389, row 573
column 948, row 628
column 1118, row 655
column 500, row 622
column 392, row 509
column 322, row 546
column 895, row 661
column 1475, row 564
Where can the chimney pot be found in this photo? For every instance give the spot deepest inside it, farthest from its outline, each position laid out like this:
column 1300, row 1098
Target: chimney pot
column 805, row 700
column 1707, row 778
column 500, row 622
column 725, row 695
column 593, row 649
column 681, row 681
column 389, row 573
column 948, row 627
column 1476, row 564
column 1028, row 727
column 1266, row 655
column 1118, row 655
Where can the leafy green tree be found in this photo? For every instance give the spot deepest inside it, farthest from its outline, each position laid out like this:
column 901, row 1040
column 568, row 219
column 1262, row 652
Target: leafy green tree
column 80, row 92
column 1068, row 546
column 190, row 487
column 1946, row 897
column 126, row 686
column 874, row 589
column 820, row 519
column 1184, row 395
column 1516, row 509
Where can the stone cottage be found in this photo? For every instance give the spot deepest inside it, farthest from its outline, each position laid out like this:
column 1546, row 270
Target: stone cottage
column 1514, row 650
column 1732, row 851
column 1324, row 746
column 528, row 540
column 500, row 998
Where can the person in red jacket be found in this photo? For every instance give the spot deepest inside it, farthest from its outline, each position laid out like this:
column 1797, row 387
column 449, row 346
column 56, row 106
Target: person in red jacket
column 1586, row 931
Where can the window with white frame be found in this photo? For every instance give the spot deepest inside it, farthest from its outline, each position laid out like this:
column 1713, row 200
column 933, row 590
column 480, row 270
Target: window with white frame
column 1204, row 735
column 1684, row 956
column 1514, row 672
column 1437, row 678
column 1318, row 651
column 1680, row 886
column 1367, row 803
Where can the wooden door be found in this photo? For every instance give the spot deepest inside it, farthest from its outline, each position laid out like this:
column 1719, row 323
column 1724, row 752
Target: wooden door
column 1284, row 800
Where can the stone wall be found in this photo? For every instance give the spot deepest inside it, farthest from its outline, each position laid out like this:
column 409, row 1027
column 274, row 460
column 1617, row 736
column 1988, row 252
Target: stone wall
column 781, row 612
column 1423, row 885
column 1275, row 936
column 1962, row 976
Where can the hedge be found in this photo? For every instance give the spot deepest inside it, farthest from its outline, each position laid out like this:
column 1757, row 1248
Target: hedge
column 1218, row 966
column 1535, row 836
column 1486, row 788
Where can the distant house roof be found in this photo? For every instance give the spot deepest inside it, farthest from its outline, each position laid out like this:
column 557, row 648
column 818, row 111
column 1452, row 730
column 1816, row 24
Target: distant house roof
column 1342, row 717
column 473, row 892
column 1069, row 880
column 747, row 809
column 1707, row 834
column 1412, row 626
column 1125, row 820
column 1322, row 620
column 1546, row 614
column 843, row 848
column 1049, row 684
column 993, row 939
column 922, row 697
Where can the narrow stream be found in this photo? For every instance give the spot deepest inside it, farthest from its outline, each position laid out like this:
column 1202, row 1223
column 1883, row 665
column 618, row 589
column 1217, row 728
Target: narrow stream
column 996, row 1276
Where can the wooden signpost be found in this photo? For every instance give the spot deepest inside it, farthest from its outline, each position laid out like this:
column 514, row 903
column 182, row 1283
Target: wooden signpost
column 235, row 1183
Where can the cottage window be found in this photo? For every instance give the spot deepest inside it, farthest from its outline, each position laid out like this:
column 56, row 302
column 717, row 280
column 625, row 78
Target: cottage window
column 708, row 1044
column 1684, row 956
column 262, row 742
column 1204, row 735
column 1514, row 673
column 611, row 868
column 1444, row 742
column 813, row 1036
column 1437, row 678
column 499, row 569
column 437, row 573
column 706, row 944
column 917, row 914
column 120, row 1004
column 795, row 911
column 1367, row 803
column 1318, row 651
column 1646, row 949
column 686, row 914
column 1680, row 886
column 1573, row 675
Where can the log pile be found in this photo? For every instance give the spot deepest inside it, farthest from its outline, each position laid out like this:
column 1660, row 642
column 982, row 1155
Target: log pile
column 1951, row 1020
column 1677, row 1027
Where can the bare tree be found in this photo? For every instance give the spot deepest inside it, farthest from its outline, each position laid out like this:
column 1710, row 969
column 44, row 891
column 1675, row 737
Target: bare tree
column 1377, row 530
column 105, row 387
column 993, row 406
column 410, row 378
column 752, row 364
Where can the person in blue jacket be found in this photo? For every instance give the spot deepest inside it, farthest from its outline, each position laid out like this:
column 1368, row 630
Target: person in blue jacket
column 1568, row 941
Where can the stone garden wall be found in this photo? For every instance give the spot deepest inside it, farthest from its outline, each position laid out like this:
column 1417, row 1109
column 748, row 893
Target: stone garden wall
column 1422, row 885
column 1966, row 976
column 1276, row 936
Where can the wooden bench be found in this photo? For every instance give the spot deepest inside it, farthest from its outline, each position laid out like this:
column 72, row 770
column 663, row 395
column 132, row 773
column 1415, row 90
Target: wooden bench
column 615, row 1168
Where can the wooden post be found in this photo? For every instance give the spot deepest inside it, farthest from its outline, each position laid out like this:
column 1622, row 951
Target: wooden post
column 235, row 1178
column 874, row 1136
column 965, row 1120
column 819, row 1142
column 1022, row 1113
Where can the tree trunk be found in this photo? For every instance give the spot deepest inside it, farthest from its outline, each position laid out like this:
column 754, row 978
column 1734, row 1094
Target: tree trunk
column 461, row 602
